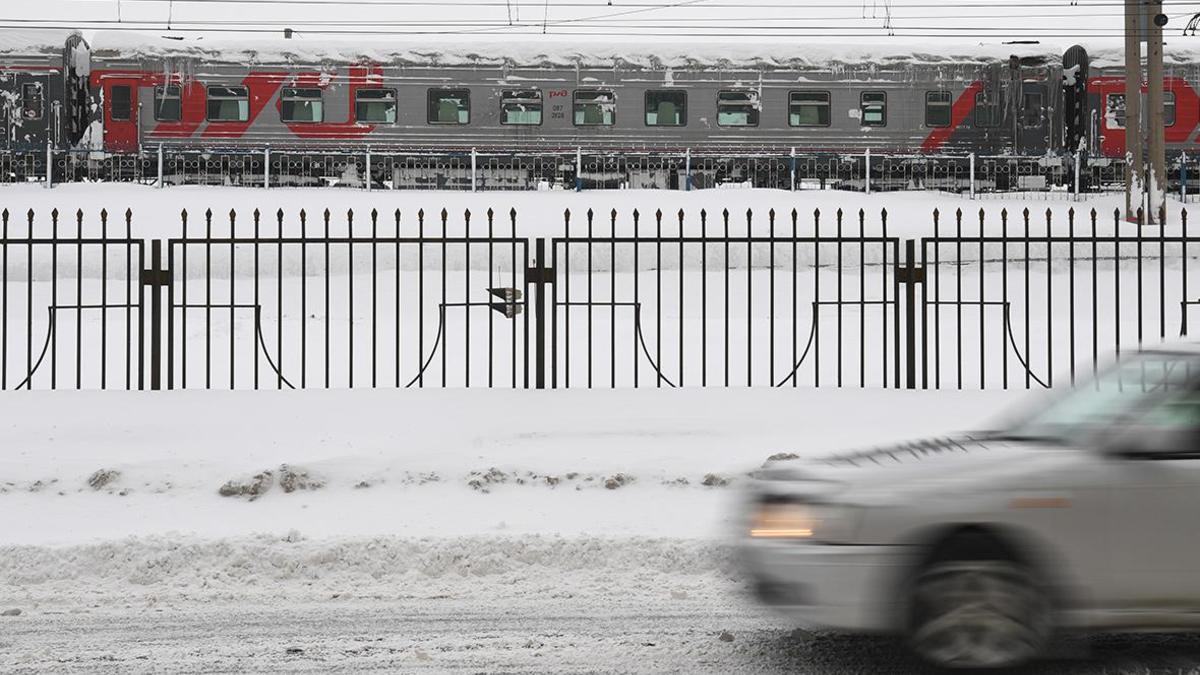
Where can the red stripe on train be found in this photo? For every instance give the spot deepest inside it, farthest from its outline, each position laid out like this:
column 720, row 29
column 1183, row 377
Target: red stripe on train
column 959, row 112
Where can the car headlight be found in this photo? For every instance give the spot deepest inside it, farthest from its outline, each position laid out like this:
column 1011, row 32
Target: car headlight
column 802, row 521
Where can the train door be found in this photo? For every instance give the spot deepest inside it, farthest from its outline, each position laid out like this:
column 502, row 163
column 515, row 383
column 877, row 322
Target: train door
column 28, row 111
column 1033, row 122
column 121, row 115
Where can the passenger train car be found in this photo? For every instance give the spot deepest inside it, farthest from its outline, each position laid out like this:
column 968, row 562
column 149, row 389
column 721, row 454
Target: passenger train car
column 132, row 94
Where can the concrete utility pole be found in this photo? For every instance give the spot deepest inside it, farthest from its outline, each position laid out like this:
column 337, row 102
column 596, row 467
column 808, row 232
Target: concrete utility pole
column 1134, row 183
column 1156, row 182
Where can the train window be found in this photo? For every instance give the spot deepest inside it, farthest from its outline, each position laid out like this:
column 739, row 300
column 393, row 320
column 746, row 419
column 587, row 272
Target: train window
column 987, row 110
column 228, row 104
column 167, row 106
column 737, row 108
column 808, row 109
column 1168, row 108
column 1031, row 108
column 32, row 102
column 521, row 107
column 449, row 106
column 1114, row 111
column 666, row 108
column 121, row 105
column 300, row 105
column 937, row 109
column 595, row 108
column 376, row 106
column 873, row 108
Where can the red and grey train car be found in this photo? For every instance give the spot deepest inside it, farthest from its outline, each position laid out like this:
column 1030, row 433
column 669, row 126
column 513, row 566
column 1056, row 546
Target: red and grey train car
column 207, row 97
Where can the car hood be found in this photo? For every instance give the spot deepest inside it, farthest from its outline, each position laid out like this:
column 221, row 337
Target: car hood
column 964, row 462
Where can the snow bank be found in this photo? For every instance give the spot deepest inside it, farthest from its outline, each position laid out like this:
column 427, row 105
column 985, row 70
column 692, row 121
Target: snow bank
column 404, row 463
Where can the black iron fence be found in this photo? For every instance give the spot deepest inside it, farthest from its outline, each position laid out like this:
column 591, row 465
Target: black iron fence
column 986, row 300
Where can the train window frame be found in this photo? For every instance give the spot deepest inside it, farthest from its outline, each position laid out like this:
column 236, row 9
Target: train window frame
column 437, row 94
column 942, row 107
column 794, row 102
column 161, row 93
column 1169, row 104
column 518, row 97
column 577, row 107
column 227, row 95
column 753, row 102
column 38, row 98
column 128, row 104
column 389, row 95
column 985, row 101
column 312, row 97
column 681, row 113
column 882, row 103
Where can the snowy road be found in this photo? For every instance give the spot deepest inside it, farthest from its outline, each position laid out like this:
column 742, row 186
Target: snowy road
column 630, row 634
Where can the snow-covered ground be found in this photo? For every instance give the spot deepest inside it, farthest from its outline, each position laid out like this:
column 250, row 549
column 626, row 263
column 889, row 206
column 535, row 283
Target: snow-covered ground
column 457, row 524
column 539, row 213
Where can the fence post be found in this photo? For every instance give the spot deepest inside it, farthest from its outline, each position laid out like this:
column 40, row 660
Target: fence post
column 49, row 163
column 160, row 166
column 1183, row 177
column 267, row 167
column 792, row 170
column 972, row 175
column 155, row 278
column 867, row 172
column 687, row 170
column 910, row 275
column 1079, row 168
column 474, row 174
column 539, row 275
column 578, row 169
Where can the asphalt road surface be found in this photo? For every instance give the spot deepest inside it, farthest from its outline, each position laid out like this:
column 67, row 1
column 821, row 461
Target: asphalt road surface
column 629, row 634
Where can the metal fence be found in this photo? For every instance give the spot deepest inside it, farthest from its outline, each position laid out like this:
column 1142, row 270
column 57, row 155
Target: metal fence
column 366, row 169
column 986, row 300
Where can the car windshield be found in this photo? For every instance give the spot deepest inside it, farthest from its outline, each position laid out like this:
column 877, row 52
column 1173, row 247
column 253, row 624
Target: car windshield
column 1125, row 392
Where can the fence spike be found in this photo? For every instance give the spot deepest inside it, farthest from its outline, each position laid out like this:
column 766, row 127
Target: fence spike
column 208, row 214
column 614, row 215
column 1071, row 213
column 816, row 214
column 937, row 218
column 936, row 213
column 79, row 217
column 327, row 213
column 5, row 214
column 725, row 212
column 795, row 213
column 53, row 214
column 445, row 214
column 681, row 218
column 636, row 215
column 567, row 217
column 30, row 216
column 350, row 219
column 466, row 216
column 1049, row 216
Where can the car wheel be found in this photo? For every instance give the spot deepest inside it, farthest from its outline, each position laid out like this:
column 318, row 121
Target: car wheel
column 977, row 614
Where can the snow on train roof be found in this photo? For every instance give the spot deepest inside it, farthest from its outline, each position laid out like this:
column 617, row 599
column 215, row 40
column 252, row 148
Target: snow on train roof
column 551, row 53
column 28, row 42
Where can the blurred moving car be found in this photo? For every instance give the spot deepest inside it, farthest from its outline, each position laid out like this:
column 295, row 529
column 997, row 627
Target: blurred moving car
column 1081, row 514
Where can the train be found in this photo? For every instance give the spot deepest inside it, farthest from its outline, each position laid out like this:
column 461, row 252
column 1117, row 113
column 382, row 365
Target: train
column 640, row 116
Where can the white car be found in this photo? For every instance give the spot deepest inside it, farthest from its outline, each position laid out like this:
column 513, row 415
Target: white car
column 1084, row 514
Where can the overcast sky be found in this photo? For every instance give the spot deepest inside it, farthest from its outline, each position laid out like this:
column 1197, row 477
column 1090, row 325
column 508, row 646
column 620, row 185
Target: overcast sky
column 644, row 20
